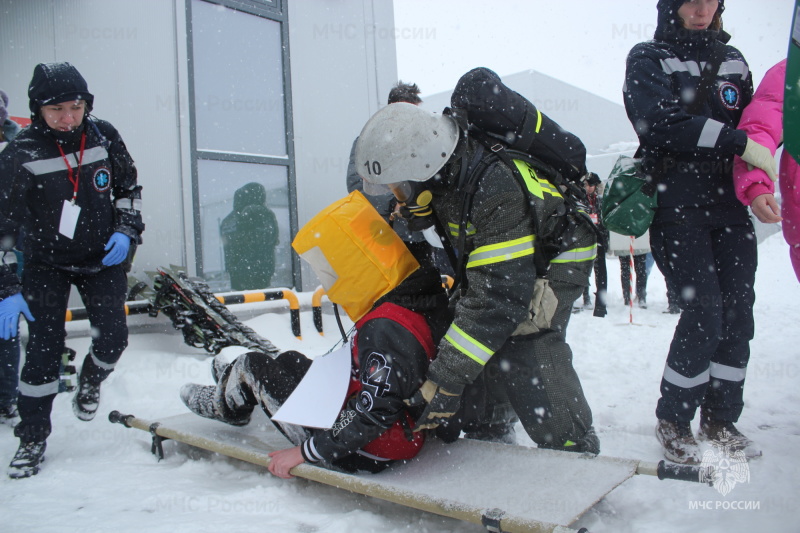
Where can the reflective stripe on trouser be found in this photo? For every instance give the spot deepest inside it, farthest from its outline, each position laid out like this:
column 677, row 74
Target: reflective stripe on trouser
column 542, row 385
column 710, row 348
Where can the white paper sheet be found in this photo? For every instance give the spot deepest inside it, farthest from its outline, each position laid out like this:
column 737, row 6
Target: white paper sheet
column 318, row 398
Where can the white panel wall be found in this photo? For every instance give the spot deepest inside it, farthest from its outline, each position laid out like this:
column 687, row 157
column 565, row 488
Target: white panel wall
column 343, row 61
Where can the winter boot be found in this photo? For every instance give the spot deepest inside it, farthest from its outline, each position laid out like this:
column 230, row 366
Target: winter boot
column 202, row 401
column 218, row 366
column 678, row 442
column 501, row 433
column 9, row 415
column 589, row 443
column 27, row 460
column 86, row 400
column 724, row 434
column 673, row 309
column 599, row 310
column 642, row 302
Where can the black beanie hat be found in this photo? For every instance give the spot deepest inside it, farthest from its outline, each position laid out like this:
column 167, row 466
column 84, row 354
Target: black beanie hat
column 55, row 83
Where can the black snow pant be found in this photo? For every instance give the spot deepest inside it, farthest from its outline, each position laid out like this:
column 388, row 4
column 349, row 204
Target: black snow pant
column 46, row 289
column 710, row 259
column 640, row 269
column 534, row 374
column 256, row 379
column 600, row 278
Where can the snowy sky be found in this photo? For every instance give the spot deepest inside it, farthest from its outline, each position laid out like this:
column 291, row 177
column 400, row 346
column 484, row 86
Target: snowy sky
column 582, row 42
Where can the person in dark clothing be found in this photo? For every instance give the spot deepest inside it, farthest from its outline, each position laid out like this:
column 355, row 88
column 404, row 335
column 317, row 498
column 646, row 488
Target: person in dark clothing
column 9, row 348
column 249, row 237
column 69, row 181
column 702, row 238
column 391, row 348
column 510, row 320
column 622, row 246
column 593, row 209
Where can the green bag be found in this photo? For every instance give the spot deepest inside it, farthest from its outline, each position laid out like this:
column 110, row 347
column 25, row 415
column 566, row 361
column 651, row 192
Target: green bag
column 629, row 200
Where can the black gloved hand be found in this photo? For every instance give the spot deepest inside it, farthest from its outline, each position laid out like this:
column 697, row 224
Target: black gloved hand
column 442, row 404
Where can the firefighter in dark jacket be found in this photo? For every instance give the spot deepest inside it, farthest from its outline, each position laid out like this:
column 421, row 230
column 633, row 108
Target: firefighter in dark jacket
column 391, row 348
column 525, row 259
column 69, row 182
column 701, row 237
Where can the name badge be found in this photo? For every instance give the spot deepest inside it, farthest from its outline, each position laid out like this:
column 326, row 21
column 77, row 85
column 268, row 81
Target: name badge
column 69, row 219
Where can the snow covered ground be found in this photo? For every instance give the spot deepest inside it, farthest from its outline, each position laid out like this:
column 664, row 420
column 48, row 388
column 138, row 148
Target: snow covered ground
column 102, row 477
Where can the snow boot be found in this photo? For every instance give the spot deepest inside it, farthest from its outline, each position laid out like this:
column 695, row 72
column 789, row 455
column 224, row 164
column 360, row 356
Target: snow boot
column 673, row 309
column 86, row 400
column 27, row 460
column 678, row 442
column 724, row 434
column 202, row 401
column 9, row 415
column 588, row 443
column 500, row 433
column 218, row 367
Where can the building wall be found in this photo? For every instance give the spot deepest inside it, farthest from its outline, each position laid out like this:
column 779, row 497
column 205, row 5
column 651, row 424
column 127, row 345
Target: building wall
column 133, row 55
column 343, row 65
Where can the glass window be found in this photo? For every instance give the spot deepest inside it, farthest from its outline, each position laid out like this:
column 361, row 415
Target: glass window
column 238, row 81
column 244, row 217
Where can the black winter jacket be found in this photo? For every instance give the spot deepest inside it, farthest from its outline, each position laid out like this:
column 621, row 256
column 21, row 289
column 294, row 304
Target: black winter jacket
column 690, row 155
column 34, row 184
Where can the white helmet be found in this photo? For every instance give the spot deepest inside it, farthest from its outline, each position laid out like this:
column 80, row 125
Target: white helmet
column 402, row 142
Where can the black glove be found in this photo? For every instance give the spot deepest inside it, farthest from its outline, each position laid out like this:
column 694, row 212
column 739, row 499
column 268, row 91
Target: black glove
column 442, row 404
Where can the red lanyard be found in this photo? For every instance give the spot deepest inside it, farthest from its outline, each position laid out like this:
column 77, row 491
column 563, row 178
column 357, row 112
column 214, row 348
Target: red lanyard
column 73, row 178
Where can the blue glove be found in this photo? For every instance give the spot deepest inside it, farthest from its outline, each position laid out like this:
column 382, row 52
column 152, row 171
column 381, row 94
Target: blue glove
column 10, row 308
column 119, row 243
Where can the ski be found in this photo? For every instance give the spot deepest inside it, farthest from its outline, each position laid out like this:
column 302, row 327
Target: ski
column 202, row 319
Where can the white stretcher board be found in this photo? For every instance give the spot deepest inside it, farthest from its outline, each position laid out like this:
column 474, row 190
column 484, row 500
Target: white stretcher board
column 532, row 490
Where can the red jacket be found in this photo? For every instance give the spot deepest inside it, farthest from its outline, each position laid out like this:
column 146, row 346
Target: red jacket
column 391, row 351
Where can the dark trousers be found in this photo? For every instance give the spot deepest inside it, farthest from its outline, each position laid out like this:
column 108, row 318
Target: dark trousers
column 9, row 371
column 640, row 269
column 600, row 277
column 256, row 379
column 46, row 290
column 712, row 268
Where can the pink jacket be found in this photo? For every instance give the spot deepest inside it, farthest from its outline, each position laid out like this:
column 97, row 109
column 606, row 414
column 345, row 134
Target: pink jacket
column 762, row 120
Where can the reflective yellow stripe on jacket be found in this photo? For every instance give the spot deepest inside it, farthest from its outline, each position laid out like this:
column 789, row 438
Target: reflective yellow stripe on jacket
column 502, row 251
column 536, row 185
column 577, row 255
column 467, row 345
column 454, row 229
